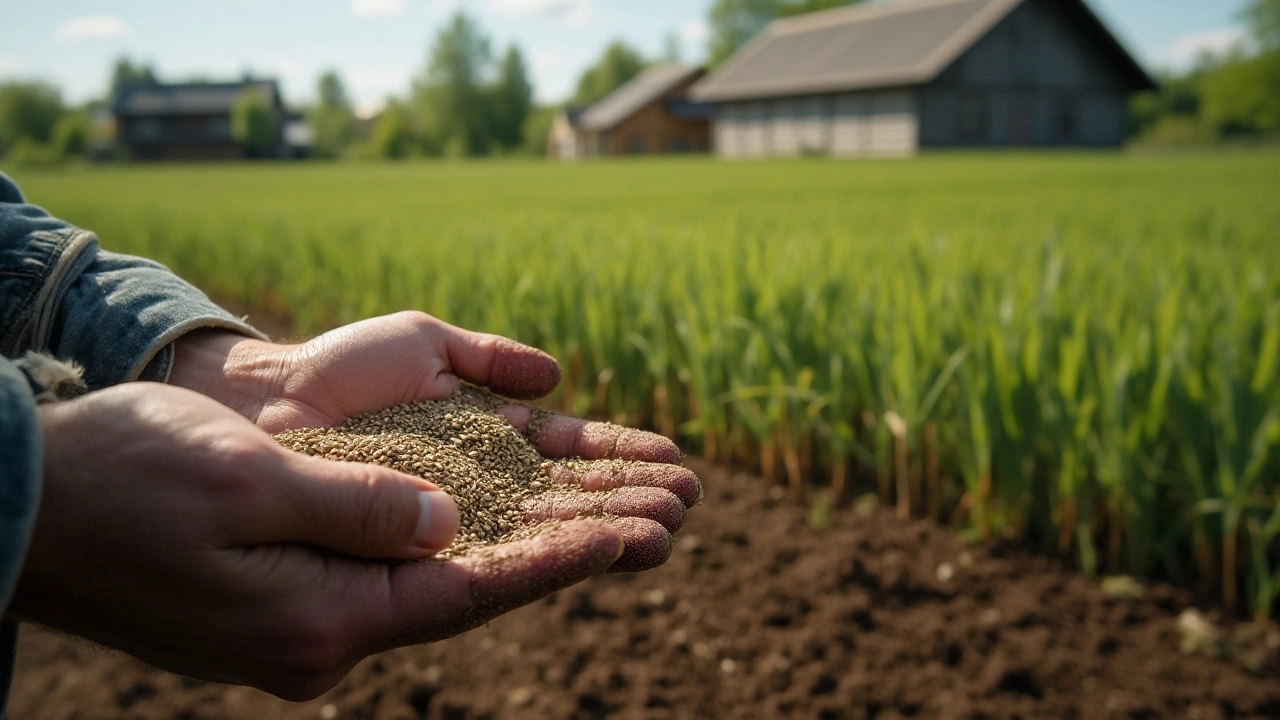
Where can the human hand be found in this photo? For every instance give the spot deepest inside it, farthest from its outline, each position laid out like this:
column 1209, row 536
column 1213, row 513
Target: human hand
column 411, row 357
column 173, row 529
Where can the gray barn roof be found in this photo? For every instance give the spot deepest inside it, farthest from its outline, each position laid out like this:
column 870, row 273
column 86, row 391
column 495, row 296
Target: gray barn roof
column 629, row 99
column 189, row 98
column 907, row 42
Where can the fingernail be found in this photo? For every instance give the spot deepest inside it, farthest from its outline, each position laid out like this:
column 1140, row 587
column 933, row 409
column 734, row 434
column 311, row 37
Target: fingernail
column 437, row 520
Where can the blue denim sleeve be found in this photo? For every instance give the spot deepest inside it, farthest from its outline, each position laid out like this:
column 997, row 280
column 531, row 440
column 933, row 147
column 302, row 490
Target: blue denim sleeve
column 20, row 467
column 114, row 314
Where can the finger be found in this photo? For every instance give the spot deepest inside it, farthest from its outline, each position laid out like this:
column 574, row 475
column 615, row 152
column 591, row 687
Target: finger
column 358, row 509
column 644, row 502
column 503, row 365
column 647, row 543
column 608, row 475
column 434, row 600
column 562, row 436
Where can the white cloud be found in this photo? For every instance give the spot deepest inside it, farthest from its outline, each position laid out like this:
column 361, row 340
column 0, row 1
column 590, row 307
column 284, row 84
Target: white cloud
column 695, row 32
column 92, row 27
column 377, row 8
column 570, row 12
column 1186, row 50
column 11, row 65
column 370, row 88
column 548, row 61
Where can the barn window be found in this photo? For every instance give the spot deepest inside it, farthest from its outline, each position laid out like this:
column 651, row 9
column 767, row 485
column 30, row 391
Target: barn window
column 973, row 118
column 218, row 128
column 1065, row 121
column 146, row 129
column 639, row 144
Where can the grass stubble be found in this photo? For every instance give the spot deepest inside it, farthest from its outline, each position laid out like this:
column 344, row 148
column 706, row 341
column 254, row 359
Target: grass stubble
column 462, row 444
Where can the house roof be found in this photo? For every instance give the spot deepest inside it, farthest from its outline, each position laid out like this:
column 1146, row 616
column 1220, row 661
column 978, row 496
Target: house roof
column 651, row 84
column 188, row 98
column 907, row 42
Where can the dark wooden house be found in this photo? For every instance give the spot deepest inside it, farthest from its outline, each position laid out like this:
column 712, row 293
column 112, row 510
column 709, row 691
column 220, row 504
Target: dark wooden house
column 187, row 121
column 649, row 114
column 892, row 78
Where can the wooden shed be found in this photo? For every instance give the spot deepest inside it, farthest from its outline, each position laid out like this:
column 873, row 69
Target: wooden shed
column 892, row 78
column 187, row 121
column 650, row 114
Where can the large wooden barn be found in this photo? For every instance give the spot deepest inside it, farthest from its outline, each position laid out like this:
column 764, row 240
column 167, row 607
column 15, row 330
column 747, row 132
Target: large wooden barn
column 893, row 78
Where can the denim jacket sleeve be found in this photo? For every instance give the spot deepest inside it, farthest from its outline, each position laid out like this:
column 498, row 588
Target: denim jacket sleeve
column 115, row 315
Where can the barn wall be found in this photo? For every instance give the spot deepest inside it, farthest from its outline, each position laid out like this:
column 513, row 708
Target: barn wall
column 875, row 123
column 1034, row 80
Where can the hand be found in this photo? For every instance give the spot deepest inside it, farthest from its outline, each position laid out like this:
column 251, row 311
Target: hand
column 173, row 529
column 410, row 357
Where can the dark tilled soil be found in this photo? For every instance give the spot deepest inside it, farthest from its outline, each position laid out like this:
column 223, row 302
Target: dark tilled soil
column 755, row 616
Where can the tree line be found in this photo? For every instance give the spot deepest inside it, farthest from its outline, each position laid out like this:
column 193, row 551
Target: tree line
column 468, row 101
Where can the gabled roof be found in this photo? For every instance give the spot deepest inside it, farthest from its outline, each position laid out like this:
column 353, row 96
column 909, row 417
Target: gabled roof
column 189, row 98
column 629, row 99
column 907, row 42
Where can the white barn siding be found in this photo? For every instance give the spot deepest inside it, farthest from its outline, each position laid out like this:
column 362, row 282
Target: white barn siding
column 877, row 123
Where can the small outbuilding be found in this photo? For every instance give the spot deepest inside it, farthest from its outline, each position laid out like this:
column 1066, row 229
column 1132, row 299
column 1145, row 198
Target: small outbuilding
column 189, row 121
column 649, row 114
column 892, row 78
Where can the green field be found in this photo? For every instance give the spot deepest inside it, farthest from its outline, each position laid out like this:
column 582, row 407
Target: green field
column 1079, row 351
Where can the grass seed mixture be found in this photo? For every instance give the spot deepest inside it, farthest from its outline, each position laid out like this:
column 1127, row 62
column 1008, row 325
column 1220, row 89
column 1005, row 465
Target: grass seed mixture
column 461, row 444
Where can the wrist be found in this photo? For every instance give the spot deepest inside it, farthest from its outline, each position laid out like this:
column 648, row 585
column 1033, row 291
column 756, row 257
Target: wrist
column 225, row 366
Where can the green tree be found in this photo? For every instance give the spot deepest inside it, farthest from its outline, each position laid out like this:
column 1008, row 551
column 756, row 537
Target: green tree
column 511, row 99
column 619, row 64
column 332, row 119
column 253, row 124
column 450, row 99
column 536, row 127
column 70, row 134
column 391, row 136
column 735, row 22
column 1242, row 96
column 28, row 111
column 124, row 72
column 1263, row 17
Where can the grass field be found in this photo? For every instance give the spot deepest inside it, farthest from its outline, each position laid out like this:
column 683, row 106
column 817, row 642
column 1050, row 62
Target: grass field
column 1079, row 351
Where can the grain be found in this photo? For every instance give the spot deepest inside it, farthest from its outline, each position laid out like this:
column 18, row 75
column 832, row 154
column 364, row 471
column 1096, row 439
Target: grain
column 461, row 444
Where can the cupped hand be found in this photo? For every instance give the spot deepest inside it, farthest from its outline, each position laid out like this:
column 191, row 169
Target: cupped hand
column 173, row 529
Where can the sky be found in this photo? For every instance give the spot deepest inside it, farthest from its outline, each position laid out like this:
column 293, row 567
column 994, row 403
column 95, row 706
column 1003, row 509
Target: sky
column 379, row 46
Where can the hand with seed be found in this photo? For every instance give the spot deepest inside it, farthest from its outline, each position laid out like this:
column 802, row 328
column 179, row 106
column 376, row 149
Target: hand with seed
column 173, row 529
column 411, row 357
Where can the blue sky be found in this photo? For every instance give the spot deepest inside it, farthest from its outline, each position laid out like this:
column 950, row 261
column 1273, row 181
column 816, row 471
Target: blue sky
column 378, row 46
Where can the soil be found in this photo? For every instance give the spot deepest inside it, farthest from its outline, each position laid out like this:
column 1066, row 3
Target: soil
column 755, row 616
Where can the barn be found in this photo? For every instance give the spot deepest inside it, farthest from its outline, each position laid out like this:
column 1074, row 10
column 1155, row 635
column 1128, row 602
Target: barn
column 187, row 121
column 649, row 114
column 894, row 78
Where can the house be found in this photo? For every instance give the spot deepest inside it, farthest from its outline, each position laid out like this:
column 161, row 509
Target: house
column 188, row 121
column 897, row 77
column 565, row 140
column 649, row 114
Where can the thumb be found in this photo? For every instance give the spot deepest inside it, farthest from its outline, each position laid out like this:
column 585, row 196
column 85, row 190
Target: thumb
column 363, row 510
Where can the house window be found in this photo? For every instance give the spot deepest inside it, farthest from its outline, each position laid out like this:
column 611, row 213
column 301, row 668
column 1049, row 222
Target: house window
column 973, row 118
column 680, row 144
column 146, row 129
column 639, row 144
column 1065, row 121
column 218, row 128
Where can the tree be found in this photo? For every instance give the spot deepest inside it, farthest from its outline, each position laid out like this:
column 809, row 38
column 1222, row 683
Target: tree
column 1242, row 96
column 125, row 72
column 619, row 64
column 1263, row 17
column 536, row 128
column 391, row 137
column 28, row 111
column 253, row 124
column 511, row 98
column 450, row 98
column 332, row 119
column 70, row 134
column 735, row 22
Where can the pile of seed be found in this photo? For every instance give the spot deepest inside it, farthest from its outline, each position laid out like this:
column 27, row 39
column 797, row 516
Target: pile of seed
column 462, row 445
